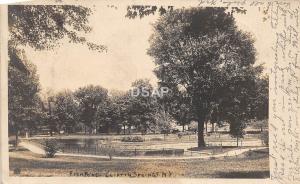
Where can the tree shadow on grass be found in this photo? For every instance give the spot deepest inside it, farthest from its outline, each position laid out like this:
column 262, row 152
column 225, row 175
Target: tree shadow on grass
column 244, row 174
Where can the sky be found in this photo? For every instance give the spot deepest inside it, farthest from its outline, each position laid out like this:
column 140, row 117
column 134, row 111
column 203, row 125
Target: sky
column 72, row 65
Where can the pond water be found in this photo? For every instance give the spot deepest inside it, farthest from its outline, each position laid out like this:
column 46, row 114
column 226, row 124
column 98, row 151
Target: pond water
column 104, row 147
column 80, row 142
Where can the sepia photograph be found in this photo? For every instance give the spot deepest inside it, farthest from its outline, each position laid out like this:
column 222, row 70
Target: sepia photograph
column 138, row 91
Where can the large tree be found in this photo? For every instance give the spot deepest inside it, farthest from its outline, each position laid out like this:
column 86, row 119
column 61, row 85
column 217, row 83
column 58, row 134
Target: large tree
column 66, row 111
column 202, row 53
column 143, row 106
column 123, row 102
column 177, row 104
column 89, row 99
column 25, row 107
column 108, row 117
column 42, row 28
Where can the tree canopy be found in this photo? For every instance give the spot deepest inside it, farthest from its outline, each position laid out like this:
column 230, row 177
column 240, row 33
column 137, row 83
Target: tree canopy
column 43, row 26
column 25, row 106
column 202, row 53
column 143, row 107
column 66, row 111
column 89, row 99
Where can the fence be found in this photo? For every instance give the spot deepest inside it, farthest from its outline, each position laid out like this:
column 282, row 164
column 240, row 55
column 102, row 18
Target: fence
column 118, row 151
column 102, row 149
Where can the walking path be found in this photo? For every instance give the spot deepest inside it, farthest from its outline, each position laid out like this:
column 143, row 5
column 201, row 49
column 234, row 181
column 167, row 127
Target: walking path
column 35, row 149
column 32, row 147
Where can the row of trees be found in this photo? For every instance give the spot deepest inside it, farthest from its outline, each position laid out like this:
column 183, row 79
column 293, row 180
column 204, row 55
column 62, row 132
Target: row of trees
column 89, row 109
column 95, row 110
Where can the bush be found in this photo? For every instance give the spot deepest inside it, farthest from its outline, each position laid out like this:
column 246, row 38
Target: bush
column 137, row 139
column 17, row 171
column 126, row 139
column 132, row 139
column 157, row 139
column 180, row 134
column 165, row 132
column 51, row 147
column 175, row 131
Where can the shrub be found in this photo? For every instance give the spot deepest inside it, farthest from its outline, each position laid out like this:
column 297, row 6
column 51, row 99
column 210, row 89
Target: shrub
column 164, row 131
column 126, row 139
column 174, row 131
column 212, row 158
column 17, row 171
column 51, row 147
column 132, row 139
column 180, row 134
column 157, row 139
column 137, row 139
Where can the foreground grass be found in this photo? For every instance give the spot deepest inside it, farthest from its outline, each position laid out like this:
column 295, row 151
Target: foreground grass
column 253, row 164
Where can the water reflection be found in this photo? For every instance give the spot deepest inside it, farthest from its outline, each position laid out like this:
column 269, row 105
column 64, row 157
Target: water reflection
column 80, row 142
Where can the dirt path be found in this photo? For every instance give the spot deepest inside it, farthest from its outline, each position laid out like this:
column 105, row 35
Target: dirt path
column 32, row 147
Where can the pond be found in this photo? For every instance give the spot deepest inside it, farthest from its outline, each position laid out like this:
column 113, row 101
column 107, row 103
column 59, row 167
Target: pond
column 96, row 146
column 80, row 142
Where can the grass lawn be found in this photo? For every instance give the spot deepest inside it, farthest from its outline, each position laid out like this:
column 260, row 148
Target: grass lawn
column 254, row 164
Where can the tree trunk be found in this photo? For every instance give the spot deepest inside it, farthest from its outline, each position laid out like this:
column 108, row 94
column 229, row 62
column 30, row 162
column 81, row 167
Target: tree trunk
column 212, row 127
column 237, row 141
column 124, row 129
column 17, row 138
column 206, row 127
column 183, row 127
column 201, row 142
column 51, row 132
